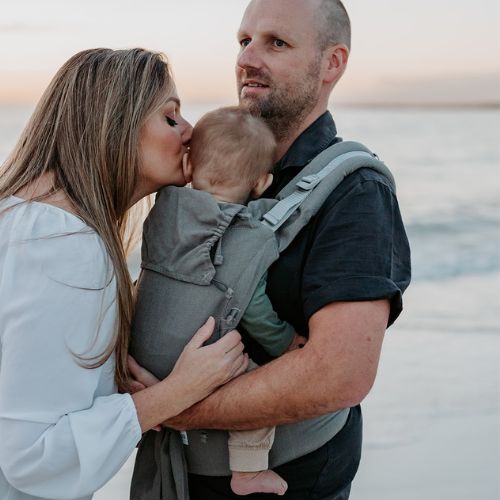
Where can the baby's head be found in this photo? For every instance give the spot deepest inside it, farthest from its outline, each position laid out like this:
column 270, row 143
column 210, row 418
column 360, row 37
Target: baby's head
column 231, row 155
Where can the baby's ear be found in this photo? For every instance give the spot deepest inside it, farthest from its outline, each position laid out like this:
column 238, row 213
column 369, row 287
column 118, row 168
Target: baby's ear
column 187, row 168
column 262, row 184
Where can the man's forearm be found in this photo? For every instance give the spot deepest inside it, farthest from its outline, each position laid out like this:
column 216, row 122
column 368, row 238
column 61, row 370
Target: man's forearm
column 274, row 394
column 334, row 370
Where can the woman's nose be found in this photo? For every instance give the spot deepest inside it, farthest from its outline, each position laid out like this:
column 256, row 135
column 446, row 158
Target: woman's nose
column 186, row 131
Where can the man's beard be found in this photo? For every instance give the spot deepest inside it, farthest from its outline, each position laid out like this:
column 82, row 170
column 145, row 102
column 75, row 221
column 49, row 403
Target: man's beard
column 285, row 107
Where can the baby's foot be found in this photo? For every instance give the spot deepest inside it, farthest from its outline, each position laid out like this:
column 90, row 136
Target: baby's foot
column 266, row 481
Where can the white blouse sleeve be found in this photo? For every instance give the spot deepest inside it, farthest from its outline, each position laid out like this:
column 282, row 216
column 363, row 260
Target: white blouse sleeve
column 64, row 431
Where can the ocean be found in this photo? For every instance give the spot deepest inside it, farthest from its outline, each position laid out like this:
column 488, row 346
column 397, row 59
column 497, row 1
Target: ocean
column 432, row 421
column 447, row 168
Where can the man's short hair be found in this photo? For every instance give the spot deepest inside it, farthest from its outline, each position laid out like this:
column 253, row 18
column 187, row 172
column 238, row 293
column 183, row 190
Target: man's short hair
column 231, row 146
column 334, row 24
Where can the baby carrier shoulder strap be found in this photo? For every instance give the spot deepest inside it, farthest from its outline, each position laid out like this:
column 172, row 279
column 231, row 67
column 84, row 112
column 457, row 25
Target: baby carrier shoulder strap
column 301, row 198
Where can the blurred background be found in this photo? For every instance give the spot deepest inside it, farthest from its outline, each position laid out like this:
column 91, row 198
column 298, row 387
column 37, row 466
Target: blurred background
column 423, row 91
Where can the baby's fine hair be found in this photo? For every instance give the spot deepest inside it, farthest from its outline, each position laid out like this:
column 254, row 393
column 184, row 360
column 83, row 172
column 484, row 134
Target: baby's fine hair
column 230, row 146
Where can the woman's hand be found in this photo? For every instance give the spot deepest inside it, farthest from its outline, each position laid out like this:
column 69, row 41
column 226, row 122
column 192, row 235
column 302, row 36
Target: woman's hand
column 141, row 380
column 197, row 373
column 201, row 369
column 141, row 377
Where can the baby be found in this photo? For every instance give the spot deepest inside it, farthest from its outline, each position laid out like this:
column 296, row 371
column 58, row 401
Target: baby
column 230, row 157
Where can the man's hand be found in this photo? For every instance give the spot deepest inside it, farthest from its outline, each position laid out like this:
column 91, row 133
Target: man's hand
column 298, row 342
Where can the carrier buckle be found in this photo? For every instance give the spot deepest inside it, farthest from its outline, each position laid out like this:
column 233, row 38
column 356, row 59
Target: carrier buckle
column 308, row 182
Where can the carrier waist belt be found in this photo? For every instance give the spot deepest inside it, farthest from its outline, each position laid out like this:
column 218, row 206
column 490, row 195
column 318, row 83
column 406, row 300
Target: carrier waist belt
column 207, row 452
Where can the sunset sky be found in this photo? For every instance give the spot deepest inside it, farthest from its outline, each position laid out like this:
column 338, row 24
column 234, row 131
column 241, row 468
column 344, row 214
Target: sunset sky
column 403, row 50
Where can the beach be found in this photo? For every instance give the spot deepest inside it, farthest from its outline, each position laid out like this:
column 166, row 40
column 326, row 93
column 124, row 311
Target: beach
column 432, row 420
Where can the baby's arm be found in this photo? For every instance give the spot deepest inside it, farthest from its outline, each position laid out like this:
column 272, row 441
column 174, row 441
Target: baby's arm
column 263, row 324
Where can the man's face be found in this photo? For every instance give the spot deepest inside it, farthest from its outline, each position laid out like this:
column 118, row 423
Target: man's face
column 278, row 67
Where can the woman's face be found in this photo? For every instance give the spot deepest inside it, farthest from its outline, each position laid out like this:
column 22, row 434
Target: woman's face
column 163, row 142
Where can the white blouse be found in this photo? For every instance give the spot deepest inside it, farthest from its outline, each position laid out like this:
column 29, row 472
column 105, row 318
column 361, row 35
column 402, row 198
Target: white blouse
column 64, row 431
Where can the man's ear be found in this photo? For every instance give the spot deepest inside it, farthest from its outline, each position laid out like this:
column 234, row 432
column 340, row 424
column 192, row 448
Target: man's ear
column 335, row 62
column 262, row 184
column 187, row 168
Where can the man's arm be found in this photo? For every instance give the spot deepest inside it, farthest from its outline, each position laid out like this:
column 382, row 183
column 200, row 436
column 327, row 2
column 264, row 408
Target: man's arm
column 336, row 369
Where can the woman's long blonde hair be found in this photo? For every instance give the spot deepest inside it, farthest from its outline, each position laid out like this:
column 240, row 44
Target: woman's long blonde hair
column 85, row 132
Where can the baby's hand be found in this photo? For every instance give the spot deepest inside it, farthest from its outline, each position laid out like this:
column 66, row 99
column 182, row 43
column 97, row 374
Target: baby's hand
column 297, row 343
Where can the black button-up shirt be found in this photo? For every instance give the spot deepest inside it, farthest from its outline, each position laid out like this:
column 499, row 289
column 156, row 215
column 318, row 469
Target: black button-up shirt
column 354, row 249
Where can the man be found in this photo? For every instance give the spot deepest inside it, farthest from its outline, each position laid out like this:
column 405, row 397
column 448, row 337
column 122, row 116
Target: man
column 339, row 283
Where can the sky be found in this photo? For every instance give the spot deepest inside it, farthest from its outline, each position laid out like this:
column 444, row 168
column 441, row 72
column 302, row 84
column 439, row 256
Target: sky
column 403, row 50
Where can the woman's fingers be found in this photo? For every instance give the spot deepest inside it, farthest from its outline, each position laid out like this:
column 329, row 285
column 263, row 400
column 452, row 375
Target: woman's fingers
column 133, row 366
column 229, row 341
column 205, row 368
column 203, row 334
column 135, row 386
column 240, row 366
column 234, row 353
column 135, row 369
column 140, row 374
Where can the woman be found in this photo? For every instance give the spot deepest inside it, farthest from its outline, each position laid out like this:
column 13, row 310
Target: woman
column 107, row 133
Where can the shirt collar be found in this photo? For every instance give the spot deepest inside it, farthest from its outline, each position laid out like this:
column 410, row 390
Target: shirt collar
column 317, row 137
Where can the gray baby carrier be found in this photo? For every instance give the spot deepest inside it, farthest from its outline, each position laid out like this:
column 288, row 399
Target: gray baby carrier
column 201, row 258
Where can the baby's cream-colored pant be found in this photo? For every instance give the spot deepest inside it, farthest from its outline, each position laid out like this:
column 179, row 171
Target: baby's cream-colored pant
column 249, row 450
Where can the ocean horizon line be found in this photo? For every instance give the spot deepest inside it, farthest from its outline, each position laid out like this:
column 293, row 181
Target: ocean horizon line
column 414, row 105
column 422, row 105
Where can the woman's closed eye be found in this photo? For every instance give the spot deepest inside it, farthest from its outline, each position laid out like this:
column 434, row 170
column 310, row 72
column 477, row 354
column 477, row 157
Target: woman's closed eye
column 171, row 121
